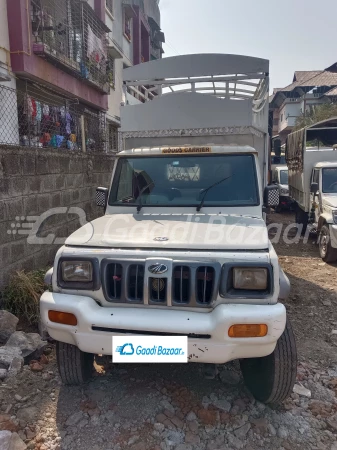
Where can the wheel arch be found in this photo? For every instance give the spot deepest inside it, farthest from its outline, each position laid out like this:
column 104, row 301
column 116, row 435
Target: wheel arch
column 322, row 221
column 284, row 286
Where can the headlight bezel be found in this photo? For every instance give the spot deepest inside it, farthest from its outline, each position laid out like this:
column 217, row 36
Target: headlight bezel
column 93, row 285
column 227, row 289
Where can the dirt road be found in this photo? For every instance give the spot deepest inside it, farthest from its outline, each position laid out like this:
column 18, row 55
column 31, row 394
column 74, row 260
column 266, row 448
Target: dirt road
column 147, row 407
column 313, row 300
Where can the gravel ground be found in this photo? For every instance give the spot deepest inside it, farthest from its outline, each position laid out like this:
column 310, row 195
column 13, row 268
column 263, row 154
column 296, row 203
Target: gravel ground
column 154, row 407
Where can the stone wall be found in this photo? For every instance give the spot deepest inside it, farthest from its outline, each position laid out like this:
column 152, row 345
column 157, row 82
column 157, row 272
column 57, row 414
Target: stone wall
column 33, row 181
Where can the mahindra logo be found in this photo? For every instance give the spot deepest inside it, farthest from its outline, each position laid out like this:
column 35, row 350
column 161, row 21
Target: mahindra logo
column 158, row 269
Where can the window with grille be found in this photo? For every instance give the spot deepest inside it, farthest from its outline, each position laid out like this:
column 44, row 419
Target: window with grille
column 127, row 26
column 113, row 138
column 109, row 4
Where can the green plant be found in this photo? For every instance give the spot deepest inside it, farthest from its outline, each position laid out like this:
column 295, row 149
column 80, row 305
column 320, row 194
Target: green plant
column 22, row 296
column 316, row 114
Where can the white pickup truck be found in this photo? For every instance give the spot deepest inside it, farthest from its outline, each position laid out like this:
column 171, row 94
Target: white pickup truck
column 312, row 161
column 183, row 248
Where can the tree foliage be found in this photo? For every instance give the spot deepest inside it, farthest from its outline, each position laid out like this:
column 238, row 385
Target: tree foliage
column 316, row 113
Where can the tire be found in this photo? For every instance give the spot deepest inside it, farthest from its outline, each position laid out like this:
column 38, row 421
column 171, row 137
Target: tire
column 271, row 379
column 301, row 218
column 326, row 251
column 75, row 367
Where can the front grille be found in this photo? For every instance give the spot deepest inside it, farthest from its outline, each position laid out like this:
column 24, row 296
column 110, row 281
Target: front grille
column 182, row 284
column 158, row 289
column 136, row 282
column 205, row 284
column 115, row 274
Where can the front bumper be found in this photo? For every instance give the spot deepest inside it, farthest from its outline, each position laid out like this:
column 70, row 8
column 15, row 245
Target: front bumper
column 218, row 348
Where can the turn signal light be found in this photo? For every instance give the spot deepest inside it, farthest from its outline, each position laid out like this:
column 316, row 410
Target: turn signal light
column 247, row 331
column 62, row 317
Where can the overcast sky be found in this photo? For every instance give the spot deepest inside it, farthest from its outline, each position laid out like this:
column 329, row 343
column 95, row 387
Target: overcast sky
column 292, row 34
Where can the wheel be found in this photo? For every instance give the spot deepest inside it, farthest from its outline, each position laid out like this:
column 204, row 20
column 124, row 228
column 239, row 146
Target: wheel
column 271, row 379
column 326, row 251
column 301, row 217
column 75, row 366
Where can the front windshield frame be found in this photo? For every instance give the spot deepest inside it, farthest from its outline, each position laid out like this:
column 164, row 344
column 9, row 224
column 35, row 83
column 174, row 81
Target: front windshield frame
column 324, row 190
column 116, row 178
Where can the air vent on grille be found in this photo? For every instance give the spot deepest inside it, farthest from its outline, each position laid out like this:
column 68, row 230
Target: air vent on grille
column 205, row 284
column 136, row 282
column 115, row 274
column 158, row 288
column 181, row 284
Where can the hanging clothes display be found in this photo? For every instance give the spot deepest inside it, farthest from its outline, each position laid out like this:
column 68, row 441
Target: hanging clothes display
column 47, row 125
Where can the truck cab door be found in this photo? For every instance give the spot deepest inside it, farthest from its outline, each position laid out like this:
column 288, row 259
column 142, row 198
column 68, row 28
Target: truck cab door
column 316, row 200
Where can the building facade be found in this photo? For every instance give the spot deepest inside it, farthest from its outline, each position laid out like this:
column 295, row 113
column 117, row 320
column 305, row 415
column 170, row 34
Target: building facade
column 63, row 60
column 308, row 89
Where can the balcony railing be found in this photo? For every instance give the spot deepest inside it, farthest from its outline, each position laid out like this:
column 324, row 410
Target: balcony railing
column 139, row 3
column 68, row 33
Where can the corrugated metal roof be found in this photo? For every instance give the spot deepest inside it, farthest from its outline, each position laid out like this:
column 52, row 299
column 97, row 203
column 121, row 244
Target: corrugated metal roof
column 303, row 75
column 322, row 79
column 310, row 78
column 290, row 87
column 332, row 93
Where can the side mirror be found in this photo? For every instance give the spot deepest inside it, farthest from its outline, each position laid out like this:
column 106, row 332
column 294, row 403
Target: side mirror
column 314, row 188
column 271, row 196
column 102, row 196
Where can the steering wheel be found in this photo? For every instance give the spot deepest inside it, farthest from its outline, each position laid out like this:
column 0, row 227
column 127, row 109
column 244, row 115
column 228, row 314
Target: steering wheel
column 332, row 185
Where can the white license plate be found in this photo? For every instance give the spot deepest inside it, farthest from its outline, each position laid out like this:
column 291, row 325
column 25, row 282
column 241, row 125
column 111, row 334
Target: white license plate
column 149, row 349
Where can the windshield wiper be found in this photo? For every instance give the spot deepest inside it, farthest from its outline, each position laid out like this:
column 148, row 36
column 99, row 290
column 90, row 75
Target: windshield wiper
column 205, row 192
column 140, row 205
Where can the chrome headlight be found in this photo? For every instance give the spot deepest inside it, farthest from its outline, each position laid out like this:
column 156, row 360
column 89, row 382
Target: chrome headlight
column 77, row 271
column 81, row 273
column 250, row 278
column 246, row 280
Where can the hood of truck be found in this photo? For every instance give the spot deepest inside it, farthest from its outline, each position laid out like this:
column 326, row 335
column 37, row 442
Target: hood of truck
column 175, row 231
column 330, row 200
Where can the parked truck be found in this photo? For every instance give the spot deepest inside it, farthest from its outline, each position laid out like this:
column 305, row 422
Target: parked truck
column 312, row 162
column 280, row 179
column 183, row 248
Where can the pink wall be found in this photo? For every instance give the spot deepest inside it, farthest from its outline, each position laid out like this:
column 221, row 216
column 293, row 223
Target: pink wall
column 141, row 37
column 37, row 68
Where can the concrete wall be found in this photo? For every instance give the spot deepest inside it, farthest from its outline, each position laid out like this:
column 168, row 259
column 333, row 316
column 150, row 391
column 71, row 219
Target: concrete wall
column 116, row 95
column 152, row 10
column 288, row 114
column 116, row 26
column 31, row 183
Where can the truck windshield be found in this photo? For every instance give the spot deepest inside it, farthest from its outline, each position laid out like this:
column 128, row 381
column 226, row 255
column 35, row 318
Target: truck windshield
column 181, row 181
column 330, row 180
column 283, row 177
